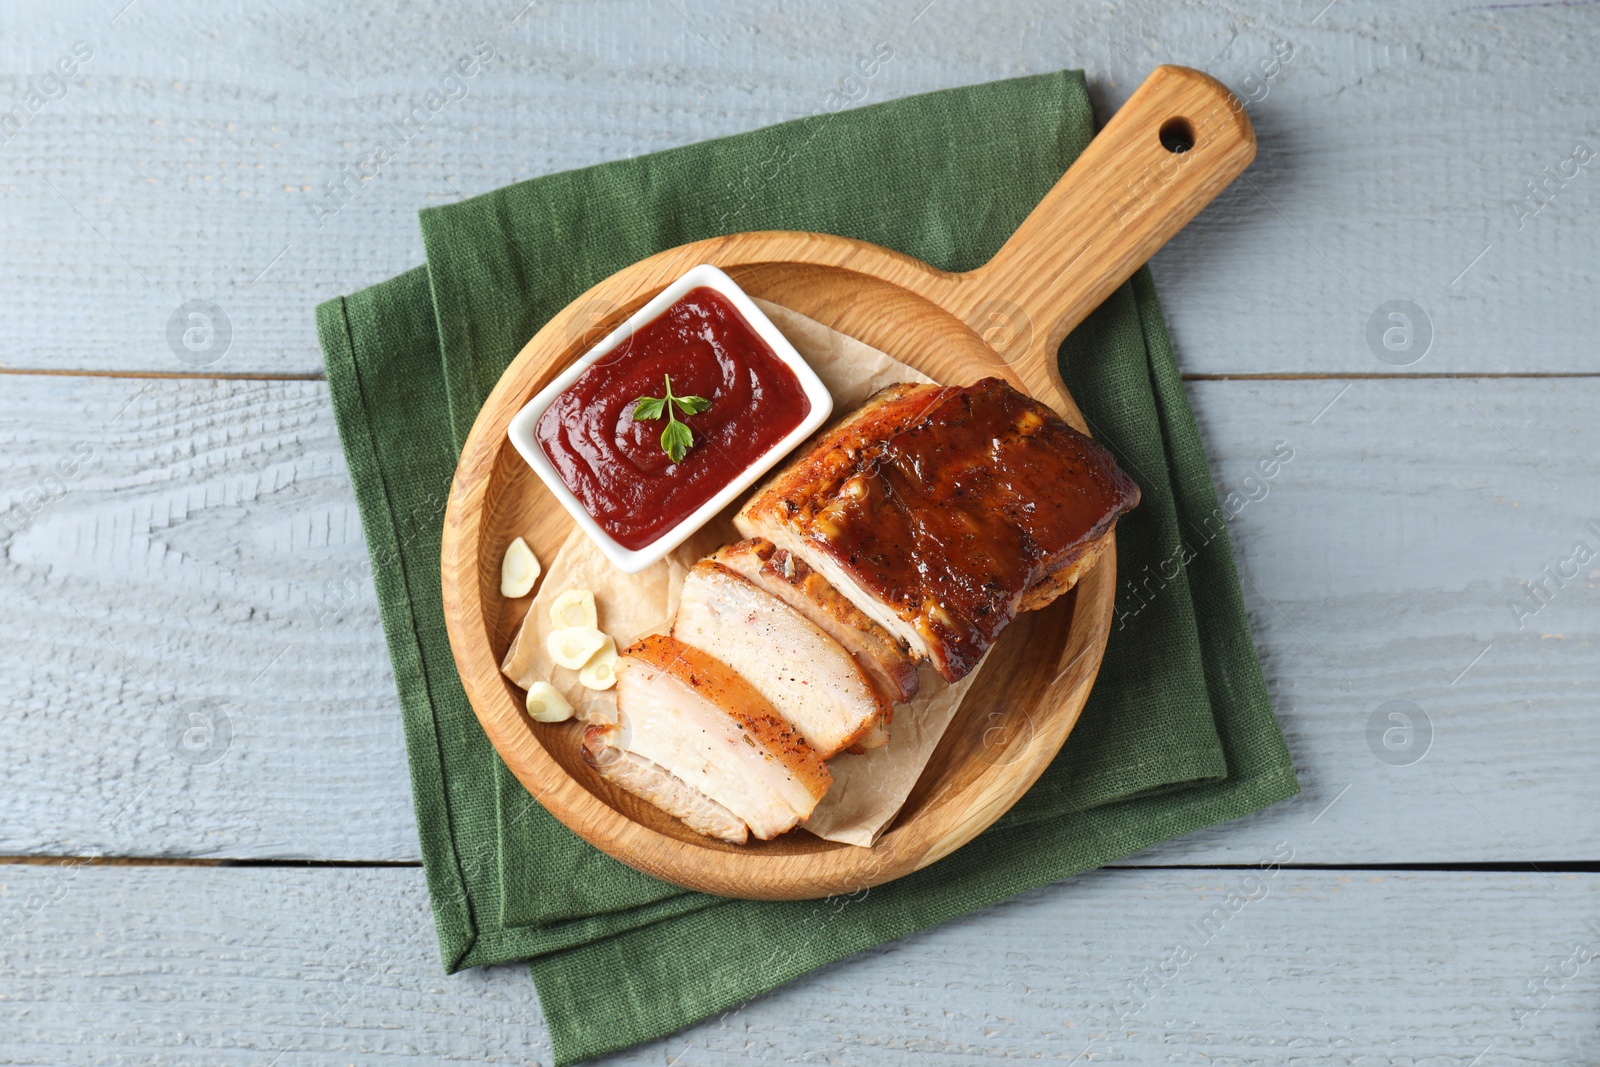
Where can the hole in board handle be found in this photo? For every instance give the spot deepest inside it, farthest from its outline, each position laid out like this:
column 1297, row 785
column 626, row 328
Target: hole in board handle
column 1177, row 136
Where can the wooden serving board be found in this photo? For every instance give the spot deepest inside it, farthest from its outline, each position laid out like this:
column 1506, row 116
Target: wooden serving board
column 1177, row 142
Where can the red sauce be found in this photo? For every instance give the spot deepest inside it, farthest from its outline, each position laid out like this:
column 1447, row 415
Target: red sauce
column 616, row 466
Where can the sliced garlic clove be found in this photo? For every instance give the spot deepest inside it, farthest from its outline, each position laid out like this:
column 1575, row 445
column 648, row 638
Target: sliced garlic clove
column 571, row 646
column 601, row 670
column 575, row 607
column 546, row 704
column 519, row 569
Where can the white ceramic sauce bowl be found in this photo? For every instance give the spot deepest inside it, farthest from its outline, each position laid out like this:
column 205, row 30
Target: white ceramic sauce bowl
column 631, row 561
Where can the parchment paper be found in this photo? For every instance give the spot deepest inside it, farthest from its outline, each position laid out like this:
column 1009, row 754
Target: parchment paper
column 868, row 789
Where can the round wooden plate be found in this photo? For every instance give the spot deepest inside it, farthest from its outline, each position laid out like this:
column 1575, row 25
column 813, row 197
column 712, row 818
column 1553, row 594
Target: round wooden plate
column 1179, row 140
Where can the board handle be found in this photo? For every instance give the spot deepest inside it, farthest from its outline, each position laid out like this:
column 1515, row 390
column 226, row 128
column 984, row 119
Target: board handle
column 1181, row 138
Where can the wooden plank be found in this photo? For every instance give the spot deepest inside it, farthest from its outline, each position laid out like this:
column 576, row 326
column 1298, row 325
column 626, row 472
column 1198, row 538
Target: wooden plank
column 1425, row 658
column 219, row 966
column 191, row 157
column 204, row 562
column 206, row 557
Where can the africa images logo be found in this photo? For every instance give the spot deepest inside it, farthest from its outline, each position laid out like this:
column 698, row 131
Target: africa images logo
column 49, row 86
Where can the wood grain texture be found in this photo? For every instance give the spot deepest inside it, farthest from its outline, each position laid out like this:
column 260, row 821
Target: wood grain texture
column 215, row 529
column 203, row 558
column 1179, row 141
column 192, row 157
column 224, row 967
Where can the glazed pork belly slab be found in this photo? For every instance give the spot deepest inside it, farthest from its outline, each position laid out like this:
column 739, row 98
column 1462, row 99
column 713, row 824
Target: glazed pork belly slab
column 705, row 746
column 944, row 511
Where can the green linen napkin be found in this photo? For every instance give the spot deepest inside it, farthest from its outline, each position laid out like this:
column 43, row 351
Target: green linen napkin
column 1177, row 735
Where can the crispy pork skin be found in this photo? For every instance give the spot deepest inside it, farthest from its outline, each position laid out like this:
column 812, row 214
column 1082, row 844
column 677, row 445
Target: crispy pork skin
column 884, row 659
column 693, row 717
column 943, row 511
column 660, row 786
column 806, row 675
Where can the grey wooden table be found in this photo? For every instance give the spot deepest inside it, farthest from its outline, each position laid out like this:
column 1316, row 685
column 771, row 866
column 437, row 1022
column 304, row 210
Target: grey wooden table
column 1401, row 292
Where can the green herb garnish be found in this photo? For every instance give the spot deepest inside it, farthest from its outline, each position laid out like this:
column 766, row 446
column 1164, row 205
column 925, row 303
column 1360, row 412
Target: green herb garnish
column 676, row 439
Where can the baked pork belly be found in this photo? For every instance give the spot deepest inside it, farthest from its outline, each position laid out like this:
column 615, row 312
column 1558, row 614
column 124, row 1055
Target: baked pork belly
column 806, row 675
column 707, row 747
column 884, row 659
column 943, row 511
column 660, row 787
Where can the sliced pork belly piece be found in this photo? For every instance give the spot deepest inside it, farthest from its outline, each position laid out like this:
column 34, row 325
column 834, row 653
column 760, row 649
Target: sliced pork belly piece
column 943, row 511
column 699, row 722
column 660, row 786
column 884, row 659
column 808, row 676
